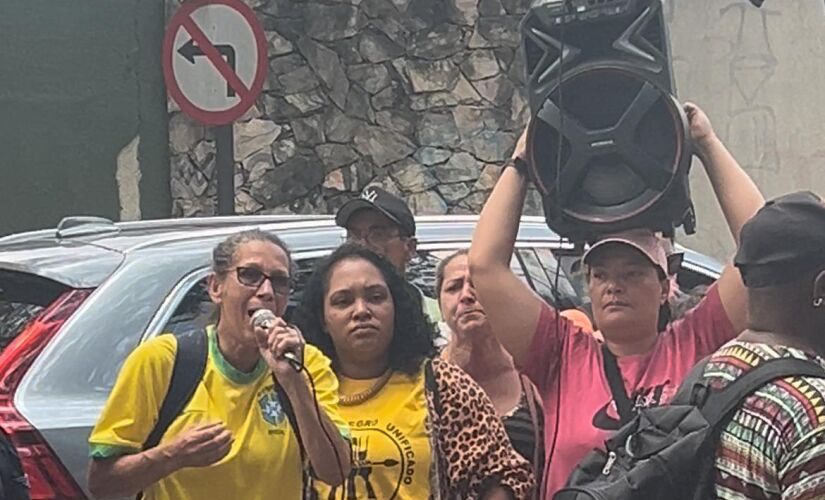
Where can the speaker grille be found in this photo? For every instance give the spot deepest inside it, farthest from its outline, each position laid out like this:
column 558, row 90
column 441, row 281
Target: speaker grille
column 623, row 145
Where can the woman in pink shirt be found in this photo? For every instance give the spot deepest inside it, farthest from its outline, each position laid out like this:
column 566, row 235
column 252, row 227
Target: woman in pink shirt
column 628, row 285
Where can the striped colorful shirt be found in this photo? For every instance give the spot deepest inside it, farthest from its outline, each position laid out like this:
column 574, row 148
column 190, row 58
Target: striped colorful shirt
column 774, row 446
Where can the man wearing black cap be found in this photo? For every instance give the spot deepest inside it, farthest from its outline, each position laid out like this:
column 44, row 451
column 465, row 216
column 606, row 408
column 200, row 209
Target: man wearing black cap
column 774, row 446
column 384, row 223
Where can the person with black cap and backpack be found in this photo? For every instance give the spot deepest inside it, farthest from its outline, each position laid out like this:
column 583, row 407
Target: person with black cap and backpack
column 774, row 444
column 749, row 421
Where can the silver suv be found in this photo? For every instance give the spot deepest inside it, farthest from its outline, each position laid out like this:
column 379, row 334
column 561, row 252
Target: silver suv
column 75, row 300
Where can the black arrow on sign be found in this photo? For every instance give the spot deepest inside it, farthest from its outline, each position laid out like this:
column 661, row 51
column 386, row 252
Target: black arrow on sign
column 190, row 51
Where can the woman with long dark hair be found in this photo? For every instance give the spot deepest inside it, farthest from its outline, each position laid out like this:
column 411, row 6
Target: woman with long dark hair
column 421, row 427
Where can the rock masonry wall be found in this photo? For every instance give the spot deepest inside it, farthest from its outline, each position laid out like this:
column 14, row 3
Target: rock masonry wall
column 423, row 97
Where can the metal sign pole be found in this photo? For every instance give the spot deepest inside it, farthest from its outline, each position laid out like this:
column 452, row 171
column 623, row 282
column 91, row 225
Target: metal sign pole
column 225, row 168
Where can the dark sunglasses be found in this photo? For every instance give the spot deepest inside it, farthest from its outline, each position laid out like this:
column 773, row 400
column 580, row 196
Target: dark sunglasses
column 254, row 278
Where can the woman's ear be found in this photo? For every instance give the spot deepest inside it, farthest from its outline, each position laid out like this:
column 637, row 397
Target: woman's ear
column 412, row 247
column 215, row 289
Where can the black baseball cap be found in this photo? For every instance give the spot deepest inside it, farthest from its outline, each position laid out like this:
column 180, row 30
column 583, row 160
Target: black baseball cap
column 783, row 241
column 388, row 204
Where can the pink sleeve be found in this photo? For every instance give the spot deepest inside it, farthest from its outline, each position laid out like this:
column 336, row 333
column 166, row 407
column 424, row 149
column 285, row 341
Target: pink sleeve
column 552, row 331
column 707, row 325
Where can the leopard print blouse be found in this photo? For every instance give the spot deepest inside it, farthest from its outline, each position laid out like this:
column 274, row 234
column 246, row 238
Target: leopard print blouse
column 472, row 452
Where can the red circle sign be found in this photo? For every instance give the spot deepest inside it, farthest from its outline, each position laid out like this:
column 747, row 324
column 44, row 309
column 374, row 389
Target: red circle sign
column 214, row 59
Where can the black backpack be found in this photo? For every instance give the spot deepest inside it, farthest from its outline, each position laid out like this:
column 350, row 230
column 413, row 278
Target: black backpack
column 190, row 363
column 668, row 452
column 14, row 485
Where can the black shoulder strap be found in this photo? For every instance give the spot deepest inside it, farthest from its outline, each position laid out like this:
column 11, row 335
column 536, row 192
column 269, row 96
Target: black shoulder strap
column 688, row 391
column 432, row 386
column 614, row 379
column 286, row 405
column 720, row 403
column 190, row 363
column 533, row 401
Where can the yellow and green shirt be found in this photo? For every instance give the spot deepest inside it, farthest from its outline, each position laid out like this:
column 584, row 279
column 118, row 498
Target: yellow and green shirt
column 391, row 452
column 265, row 456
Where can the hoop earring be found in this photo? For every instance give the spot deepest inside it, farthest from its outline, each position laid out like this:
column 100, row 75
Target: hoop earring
column 818, row 301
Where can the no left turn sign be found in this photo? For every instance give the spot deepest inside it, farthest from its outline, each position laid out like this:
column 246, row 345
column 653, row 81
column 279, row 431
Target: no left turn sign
column 214, row 59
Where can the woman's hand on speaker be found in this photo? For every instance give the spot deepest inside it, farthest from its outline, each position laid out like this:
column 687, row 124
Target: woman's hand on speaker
column 521, row 145
column 701, row 130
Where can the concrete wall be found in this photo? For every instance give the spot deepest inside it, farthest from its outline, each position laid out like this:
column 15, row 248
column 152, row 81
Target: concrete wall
column 82, row 111
column 759, row 74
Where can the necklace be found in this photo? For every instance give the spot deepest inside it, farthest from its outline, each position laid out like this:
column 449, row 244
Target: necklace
column 358, row 398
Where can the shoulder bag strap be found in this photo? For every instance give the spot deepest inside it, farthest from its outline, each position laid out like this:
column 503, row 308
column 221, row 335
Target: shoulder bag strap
column 191, row 354
column 614, row 379
column 719, row 404
column 530, row 394
column 187, row 372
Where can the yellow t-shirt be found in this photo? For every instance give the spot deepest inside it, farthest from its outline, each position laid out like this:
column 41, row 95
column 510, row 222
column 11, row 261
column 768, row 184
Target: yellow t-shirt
column 390, row 443
column 265, row 456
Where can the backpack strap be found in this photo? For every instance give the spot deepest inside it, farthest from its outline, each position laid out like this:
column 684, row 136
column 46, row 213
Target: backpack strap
column 720, row 403
column 190, row 363
column 532, row 397
column 614, row 378
column 286, row 405
column 692, row 389
column 431, row 386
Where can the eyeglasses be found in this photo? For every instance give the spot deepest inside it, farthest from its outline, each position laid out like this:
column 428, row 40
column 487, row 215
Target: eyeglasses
column 376, row 236
column 254, row 278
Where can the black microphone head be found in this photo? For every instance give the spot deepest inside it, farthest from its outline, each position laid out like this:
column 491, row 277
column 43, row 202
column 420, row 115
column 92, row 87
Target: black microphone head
column 261, row 317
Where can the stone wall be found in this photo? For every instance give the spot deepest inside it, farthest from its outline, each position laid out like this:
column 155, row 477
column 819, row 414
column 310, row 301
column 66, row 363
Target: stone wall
column 424, row 97
column 420, row 96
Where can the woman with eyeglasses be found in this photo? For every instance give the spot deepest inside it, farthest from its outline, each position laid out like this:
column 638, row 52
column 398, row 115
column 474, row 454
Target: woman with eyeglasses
column 421, row 427
column 238, row 435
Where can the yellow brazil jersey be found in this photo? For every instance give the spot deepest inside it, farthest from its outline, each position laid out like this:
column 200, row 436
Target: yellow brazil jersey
column 265, row 456
column 390, row 444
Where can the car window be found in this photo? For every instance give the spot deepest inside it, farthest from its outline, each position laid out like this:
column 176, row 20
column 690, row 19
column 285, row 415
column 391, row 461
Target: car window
column 689, row 279
column 303, row 270
column 421, row 269
column 546, row 276
column 195, row 310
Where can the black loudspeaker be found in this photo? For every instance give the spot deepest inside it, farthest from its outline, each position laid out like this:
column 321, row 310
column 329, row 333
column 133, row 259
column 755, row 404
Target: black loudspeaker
column 608, row 144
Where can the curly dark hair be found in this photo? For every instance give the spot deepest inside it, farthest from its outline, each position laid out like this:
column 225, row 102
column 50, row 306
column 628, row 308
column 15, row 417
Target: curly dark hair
column 412, row 333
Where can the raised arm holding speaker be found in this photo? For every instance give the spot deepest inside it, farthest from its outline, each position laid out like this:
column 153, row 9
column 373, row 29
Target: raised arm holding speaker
column 589, row 389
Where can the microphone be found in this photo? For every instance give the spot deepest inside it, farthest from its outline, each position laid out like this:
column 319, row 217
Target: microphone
column 264, row 318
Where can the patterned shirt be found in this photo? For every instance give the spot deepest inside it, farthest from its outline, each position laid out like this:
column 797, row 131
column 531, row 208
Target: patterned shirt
column 774, row 446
